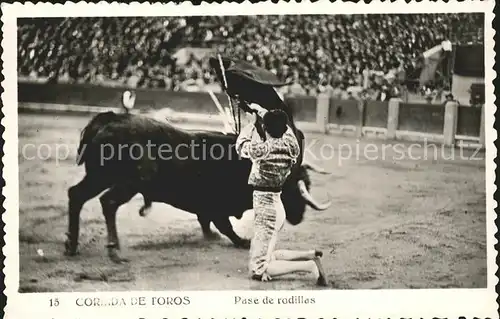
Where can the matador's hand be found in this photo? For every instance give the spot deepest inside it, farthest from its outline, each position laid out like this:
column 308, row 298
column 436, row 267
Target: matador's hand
column 258, row 109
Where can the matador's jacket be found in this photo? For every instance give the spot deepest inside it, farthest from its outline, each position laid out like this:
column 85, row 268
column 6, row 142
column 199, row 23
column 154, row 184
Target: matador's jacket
column 272, row 159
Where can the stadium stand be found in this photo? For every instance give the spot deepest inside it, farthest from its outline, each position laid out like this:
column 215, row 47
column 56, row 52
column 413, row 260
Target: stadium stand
column 332, row 54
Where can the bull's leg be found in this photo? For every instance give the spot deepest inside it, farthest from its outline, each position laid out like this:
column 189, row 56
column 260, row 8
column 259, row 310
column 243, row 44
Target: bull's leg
column 225, row 227
column 110, row 202
column 205, row 227
column 77, row 196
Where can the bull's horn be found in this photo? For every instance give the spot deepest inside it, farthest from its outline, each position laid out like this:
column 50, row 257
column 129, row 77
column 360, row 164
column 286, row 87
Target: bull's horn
column 315, row 168
column 309, row 199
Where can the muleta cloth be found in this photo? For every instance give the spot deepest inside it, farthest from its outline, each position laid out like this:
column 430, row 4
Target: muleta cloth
column 249, row 83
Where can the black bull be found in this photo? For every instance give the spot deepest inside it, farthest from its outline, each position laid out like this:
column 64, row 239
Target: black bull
column 195, row 171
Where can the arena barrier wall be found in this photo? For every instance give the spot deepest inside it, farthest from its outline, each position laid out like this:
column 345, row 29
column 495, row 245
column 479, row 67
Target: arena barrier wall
column 427, row 118
column 304, row 108
column 451, row 124
column 147, row 99
column 376, row 114
column 469, row 121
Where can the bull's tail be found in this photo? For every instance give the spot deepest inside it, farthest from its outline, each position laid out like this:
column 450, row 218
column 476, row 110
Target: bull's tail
column 90, row 131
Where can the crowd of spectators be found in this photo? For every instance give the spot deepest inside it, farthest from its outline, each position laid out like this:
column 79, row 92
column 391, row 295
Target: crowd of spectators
column 335, row 54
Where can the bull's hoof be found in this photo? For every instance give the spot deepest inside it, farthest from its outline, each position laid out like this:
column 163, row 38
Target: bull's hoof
column 119, row 260
column 70, row 253
column 243, row 244
column 70, row 249
column 115, row 257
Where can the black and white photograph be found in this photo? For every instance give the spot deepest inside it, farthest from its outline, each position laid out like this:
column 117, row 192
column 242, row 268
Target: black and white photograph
column 330, row 151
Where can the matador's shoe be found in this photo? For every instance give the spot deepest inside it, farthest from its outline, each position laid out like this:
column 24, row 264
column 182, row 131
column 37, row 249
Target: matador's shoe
column 322, row 276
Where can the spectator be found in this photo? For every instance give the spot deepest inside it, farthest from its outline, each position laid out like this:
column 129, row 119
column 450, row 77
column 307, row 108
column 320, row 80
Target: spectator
column 297, row 89
column 317, row 52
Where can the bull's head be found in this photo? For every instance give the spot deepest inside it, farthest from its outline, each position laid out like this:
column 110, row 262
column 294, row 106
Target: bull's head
column 296, row 194
column 296, row 191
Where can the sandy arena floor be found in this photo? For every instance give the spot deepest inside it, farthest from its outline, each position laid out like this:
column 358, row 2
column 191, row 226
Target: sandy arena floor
column 395, row 223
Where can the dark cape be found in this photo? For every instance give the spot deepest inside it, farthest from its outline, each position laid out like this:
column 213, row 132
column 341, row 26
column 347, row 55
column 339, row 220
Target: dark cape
column 249, row 83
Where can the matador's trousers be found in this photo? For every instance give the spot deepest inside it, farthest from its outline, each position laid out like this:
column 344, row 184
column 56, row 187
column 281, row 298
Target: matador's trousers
column 269, row 220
